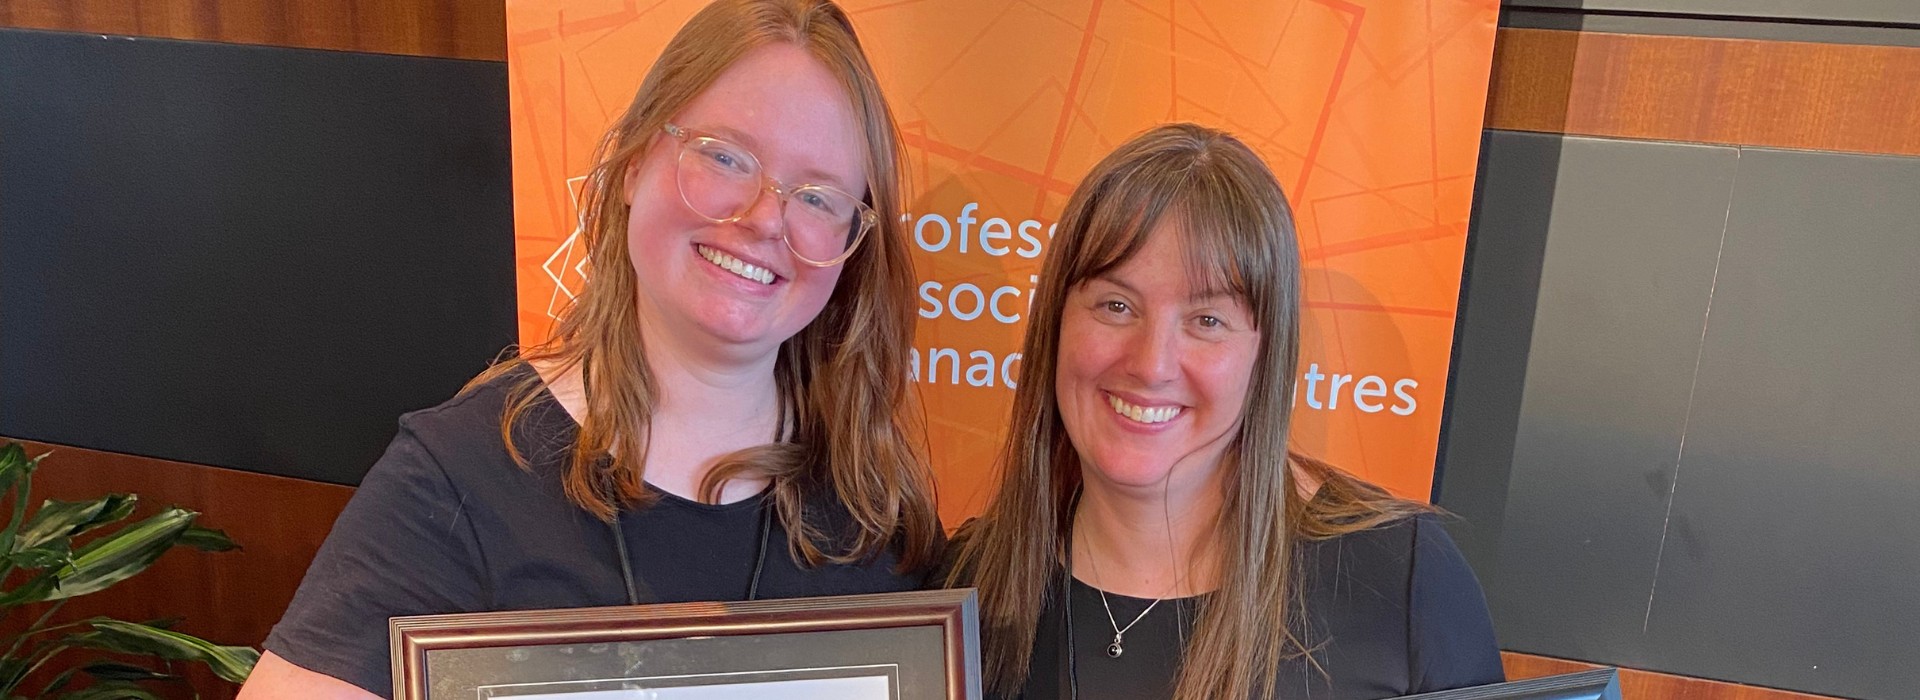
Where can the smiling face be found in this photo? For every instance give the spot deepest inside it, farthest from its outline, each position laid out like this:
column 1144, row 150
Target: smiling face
column 733, row 290
column 1153, row 369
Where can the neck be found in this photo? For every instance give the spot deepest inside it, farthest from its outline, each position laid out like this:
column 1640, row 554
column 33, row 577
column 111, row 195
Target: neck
column 709, row 404
column 1157, row 544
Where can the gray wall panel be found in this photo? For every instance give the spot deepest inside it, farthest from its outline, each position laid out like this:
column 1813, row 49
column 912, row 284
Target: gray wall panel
column 1513, row 205
column 1791, row 555
column 1628, row 264
column 1706, row 26
column 1876, row 11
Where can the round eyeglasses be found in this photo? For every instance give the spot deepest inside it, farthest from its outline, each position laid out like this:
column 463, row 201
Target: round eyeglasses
column 722, row 181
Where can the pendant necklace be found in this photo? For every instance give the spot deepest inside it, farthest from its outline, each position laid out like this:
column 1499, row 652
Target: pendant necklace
column 1118, row 646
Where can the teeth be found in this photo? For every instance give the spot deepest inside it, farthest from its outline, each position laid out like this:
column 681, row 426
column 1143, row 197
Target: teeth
column 1141, row 414
column 736, row 265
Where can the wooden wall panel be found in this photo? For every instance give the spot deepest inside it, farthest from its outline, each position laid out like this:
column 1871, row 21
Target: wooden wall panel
column 1647, row 685
column 474, row 29
column 227, row 597
column 1830, row 97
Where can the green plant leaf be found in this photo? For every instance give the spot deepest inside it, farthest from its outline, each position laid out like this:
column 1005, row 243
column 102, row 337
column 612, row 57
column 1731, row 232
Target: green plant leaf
column 116, row 671
column 46, row 555
column 13, row 463
column 165, row 623
column 40, row 587
column 207, row 539
column 117, row 556
column 11, row 670
column 16, row 475
column 59, row 682
column 57, row 519
column 229, row 662
column 111, row 690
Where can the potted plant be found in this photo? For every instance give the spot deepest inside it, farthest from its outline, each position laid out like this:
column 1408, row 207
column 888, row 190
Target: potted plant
column 66, row 549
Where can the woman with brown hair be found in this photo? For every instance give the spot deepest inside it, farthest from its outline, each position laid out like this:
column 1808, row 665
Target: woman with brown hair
column 1153, row 536
column 724, row 412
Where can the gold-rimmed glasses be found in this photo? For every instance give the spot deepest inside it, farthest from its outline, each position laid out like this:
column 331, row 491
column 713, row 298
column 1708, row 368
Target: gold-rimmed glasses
column 722, row 181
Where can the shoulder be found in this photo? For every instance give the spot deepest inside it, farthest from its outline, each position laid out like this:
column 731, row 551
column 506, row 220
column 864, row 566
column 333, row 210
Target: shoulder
column 1415, row 545
column 1406, row 582
column 1386, row 561
column 465, row 431
column 476, row 409
column 1450, row 633
column 948, row 573
column 1442, row 583
column 826, row 510
column 1390, row 542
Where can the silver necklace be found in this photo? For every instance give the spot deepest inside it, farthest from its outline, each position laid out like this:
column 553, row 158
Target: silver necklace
column 1115, row 649
column 1118, row 647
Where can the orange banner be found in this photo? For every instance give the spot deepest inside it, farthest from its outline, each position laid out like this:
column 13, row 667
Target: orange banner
column 1370, row 113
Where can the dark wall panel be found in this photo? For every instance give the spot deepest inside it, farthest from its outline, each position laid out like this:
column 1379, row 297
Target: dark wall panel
column 1706, row 404
column 1513, row 206
column 1863, row 11
column 1795, row 537
column 245, row 256
column 1624, row 282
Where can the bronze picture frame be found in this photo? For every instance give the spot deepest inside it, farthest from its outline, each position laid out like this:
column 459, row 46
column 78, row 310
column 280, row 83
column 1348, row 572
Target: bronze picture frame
column 921, row 644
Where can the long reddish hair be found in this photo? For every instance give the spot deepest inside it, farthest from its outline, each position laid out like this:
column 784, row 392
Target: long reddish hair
column 843, row 380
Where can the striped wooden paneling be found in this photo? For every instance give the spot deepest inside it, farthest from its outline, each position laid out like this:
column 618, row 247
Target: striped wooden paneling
column 1647, row 685
column 474, row 29
column 227, row 597
column 1830, row 97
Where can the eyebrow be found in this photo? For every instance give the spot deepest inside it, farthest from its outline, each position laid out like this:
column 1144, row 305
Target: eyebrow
column 1204, row 294
column 731, row 134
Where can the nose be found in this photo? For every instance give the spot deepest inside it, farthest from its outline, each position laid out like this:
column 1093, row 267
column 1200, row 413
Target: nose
column 767, row 216
column 1153, row 353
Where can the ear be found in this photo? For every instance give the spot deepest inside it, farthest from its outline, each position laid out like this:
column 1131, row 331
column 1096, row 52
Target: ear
column 630, row 182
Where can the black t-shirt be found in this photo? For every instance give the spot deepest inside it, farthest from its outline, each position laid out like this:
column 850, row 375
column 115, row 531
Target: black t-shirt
column 446, row 522
column 1393, row 611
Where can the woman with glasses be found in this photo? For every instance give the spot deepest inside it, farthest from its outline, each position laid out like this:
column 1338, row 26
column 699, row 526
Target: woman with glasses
column 722, row 414
column 1153, row 537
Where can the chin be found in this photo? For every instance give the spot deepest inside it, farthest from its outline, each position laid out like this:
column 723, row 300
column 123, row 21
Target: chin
column 1129, row 470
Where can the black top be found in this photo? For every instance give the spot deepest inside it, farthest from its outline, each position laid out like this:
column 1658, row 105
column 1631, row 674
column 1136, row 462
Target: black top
column 1394, row 611
column 446, row 522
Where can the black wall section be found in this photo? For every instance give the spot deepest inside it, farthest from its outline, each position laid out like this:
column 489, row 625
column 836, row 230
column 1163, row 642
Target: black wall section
column 245, row 256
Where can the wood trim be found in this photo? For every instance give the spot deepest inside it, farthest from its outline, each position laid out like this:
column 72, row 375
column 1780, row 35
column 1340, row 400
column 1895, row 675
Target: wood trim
column 226, row 597
column 1816, row 96
column 1648, row 685
column 417, row 637
column 472, row 29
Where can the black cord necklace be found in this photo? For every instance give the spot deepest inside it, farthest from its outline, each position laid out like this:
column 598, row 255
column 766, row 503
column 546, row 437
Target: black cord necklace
column 633, row 585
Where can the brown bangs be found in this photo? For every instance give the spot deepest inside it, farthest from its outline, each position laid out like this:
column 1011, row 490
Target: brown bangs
column 1219, row 238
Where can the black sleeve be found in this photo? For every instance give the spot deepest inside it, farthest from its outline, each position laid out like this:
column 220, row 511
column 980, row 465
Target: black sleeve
column 403, row 546
column 1451, row 643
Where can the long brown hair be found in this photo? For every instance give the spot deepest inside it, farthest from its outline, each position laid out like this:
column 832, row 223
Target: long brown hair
column 843, row 380
column 1240, row 235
